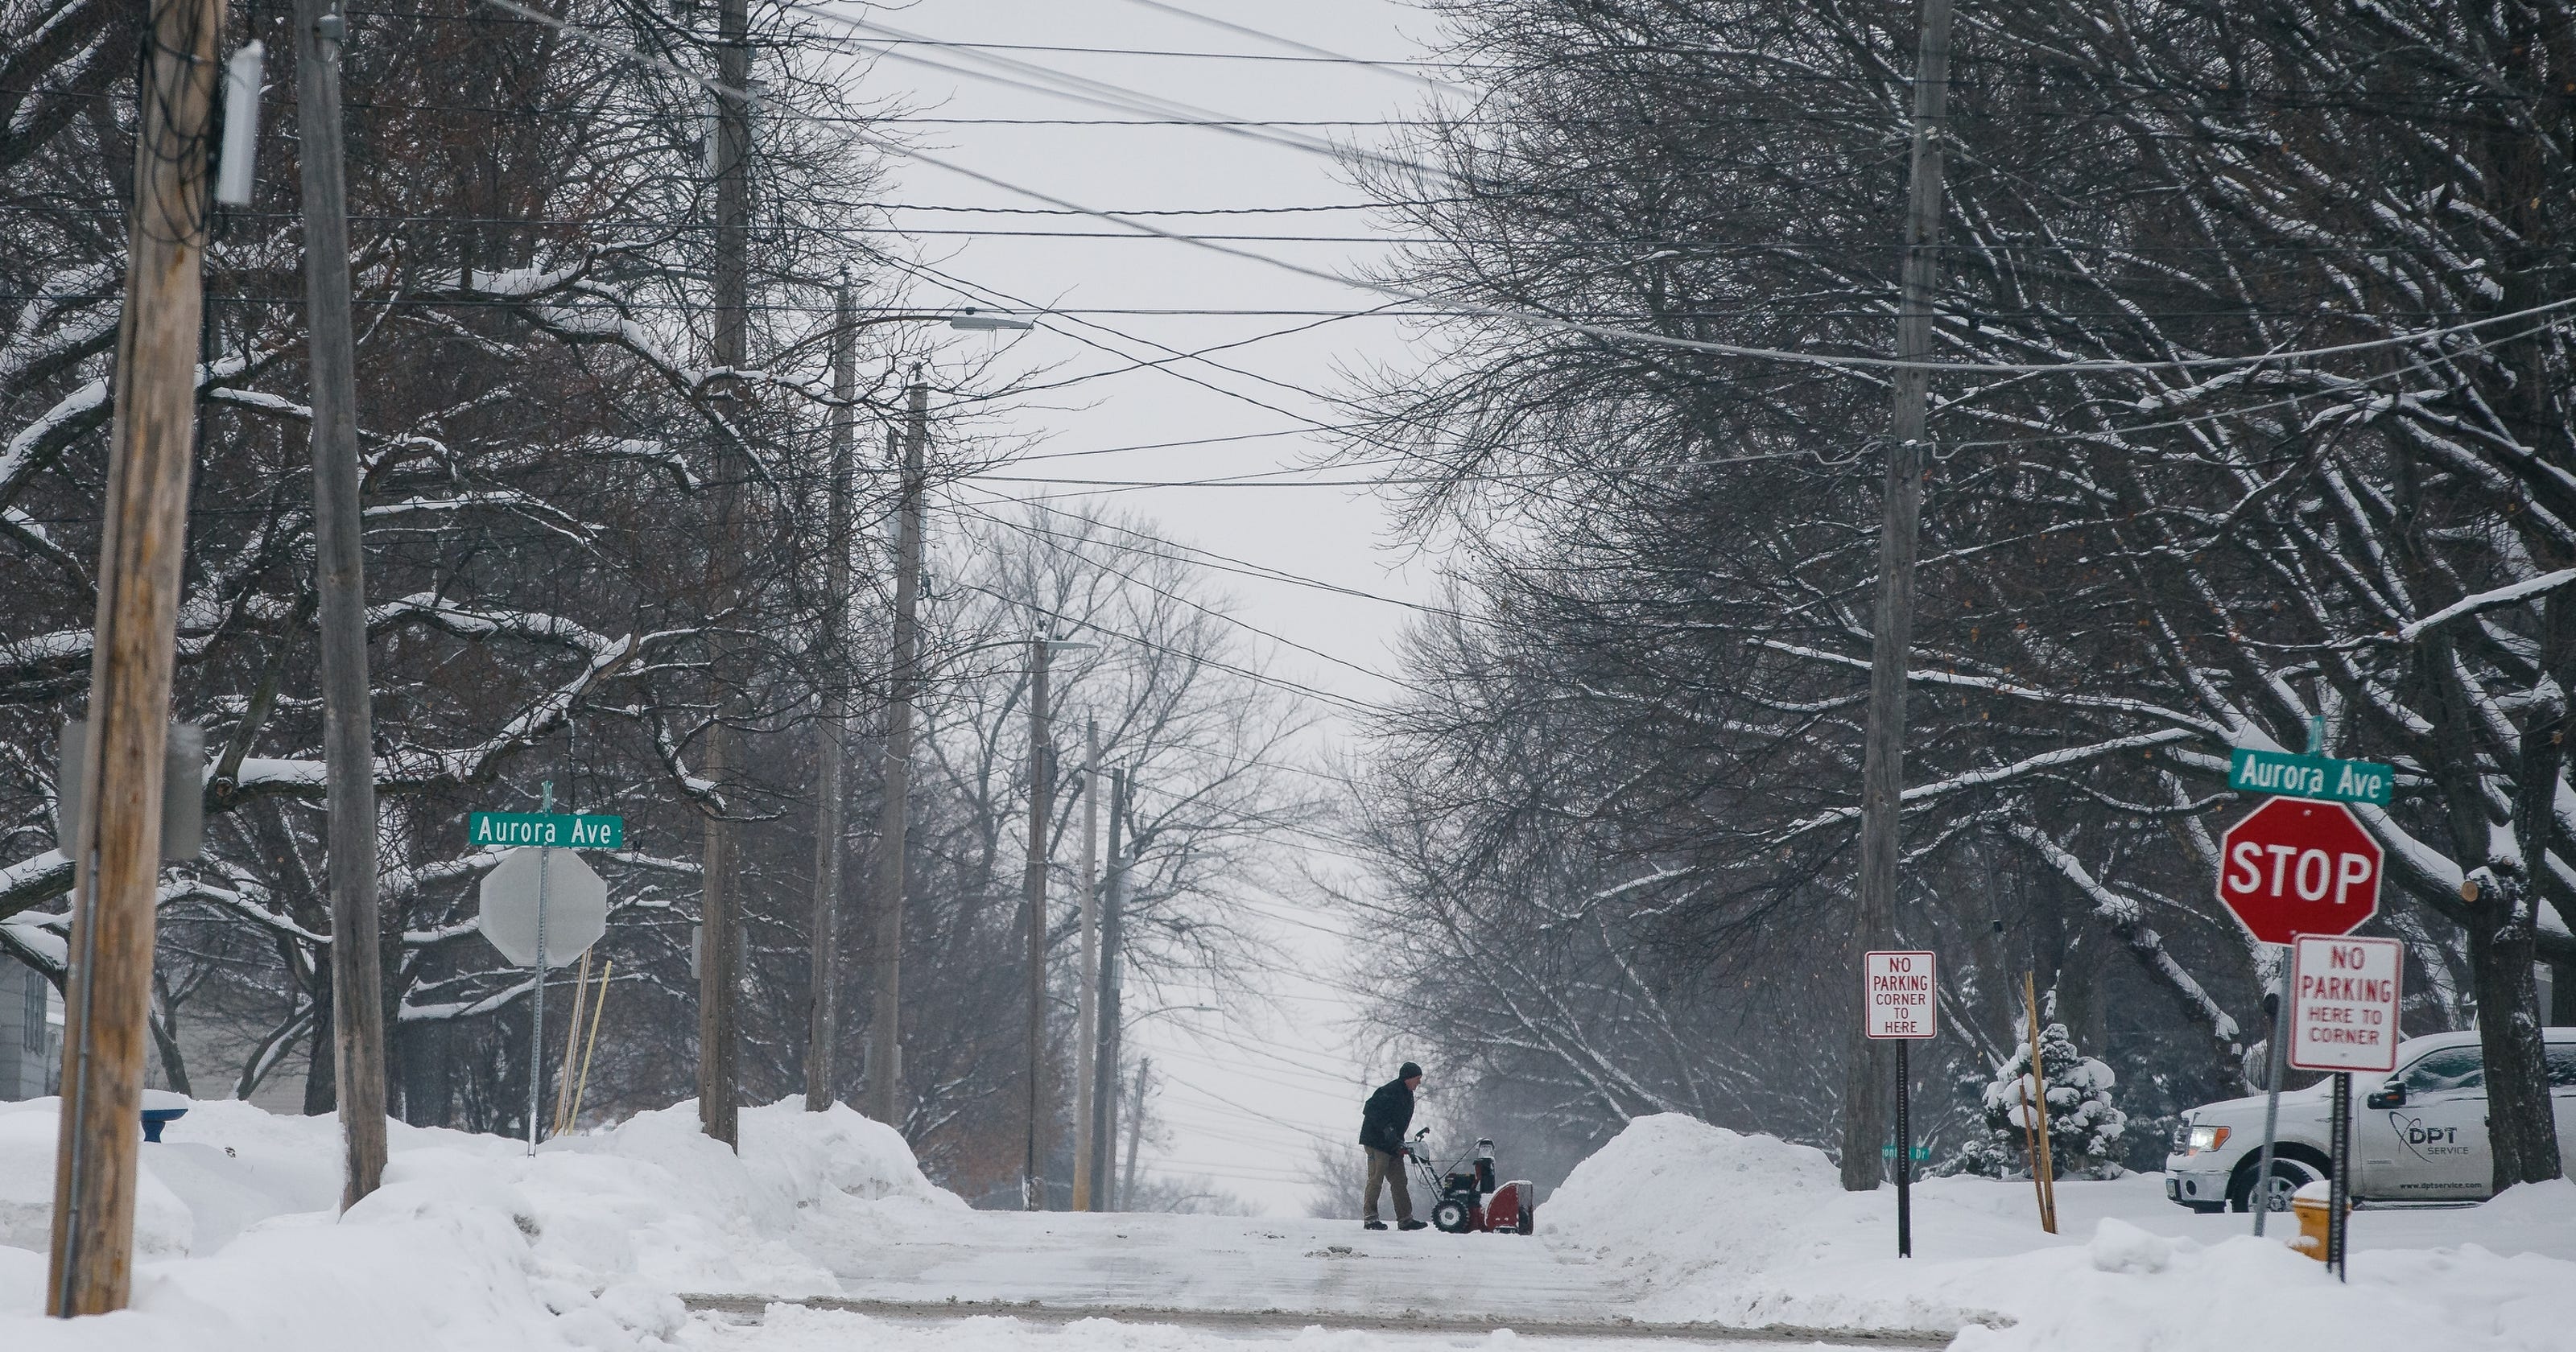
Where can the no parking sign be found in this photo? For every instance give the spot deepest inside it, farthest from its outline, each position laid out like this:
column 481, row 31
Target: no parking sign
column 2343, row 1003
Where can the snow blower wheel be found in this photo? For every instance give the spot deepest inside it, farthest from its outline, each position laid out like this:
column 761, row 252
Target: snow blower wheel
column 1453, row 1216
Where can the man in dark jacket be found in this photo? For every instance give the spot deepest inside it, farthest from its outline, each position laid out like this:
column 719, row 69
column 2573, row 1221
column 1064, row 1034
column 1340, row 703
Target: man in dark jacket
column 1383, row 1122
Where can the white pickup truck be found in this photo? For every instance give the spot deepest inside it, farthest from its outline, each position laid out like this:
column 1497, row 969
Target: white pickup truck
column 2419, row 1136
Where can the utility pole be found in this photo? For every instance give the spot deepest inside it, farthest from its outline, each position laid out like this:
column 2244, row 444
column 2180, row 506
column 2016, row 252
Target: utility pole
column 1033, row 900
column 1865, row 1123
column 885, row 1028
column 1136, row 1129
column 1104, row 1093
column 348, row 718
column 833, row 725
column 117, row 854
column 1087, row 1002
column 721, row 957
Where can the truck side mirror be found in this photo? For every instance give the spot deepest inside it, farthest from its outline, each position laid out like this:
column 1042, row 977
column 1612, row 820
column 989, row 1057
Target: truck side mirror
column 2390, row 1095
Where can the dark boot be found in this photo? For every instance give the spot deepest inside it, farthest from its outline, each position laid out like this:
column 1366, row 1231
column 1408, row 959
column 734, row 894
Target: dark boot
column 1413, row 1225
column 1372, row 1225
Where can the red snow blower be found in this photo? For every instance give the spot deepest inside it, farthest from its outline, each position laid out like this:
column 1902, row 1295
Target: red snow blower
column 1470, row 1200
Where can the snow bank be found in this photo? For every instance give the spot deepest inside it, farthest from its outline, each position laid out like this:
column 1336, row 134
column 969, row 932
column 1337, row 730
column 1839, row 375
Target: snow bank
column 1747, row 1230
column 1672, row 1196
column 469, row 1243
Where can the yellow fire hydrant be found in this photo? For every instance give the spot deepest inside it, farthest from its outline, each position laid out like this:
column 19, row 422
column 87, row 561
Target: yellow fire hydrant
column 2314, row 1203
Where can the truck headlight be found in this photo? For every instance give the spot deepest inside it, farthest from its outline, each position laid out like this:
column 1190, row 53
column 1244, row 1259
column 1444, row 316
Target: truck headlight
column 2207, row 1138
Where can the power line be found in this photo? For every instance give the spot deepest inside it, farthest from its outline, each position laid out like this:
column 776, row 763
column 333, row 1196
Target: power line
column 1402, row 70
column 1102, row 94
column 1213, row 613
column 1227, row 564
column 1545, row 320
column 953, row 44
column 1344, row 702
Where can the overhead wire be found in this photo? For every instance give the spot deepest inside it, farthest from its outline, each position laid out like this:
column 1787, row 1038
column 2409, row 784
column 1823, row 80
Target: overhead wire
column 1174, row 597
column 1225, row 563
column 1402, row 70
column 1542, row 318
column 1343, row 702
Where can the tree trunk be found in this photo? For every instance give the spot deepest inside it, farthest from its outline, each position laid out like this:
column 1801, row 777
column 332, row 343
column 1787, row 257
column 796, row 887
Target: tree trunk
column 429, row 1091
column 2521, row 1128
column 321, row 1098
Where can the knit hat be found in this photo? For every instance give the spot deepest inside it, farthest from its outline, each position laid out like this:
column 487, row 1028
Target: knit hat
column 1410, row 1071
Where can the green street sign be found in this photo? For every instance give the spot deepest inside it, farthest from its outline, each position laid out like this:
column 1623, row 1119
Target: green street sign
column 548, row 828
column 1922, row 1153
column 2339, row 781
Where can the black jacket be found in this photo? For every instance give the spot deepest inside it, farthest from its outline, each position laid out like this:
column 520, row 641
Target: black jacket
column 1387, row 1117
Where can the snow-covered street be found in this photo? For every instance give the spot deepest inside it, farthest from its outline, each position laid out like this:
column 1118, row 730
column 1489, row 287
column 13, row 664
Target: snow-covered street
column 823, row 1233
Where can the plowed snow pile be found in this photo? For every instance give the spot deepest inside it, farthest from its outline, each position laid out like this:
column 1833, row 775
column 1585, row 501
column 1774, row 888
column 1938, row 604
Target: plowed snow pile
column 469, row 1244
column 1752, row 1230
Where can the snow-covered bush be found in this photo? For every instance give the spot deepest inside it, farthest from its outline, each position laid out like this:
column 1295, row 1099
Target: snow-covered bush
column 2085, row 1128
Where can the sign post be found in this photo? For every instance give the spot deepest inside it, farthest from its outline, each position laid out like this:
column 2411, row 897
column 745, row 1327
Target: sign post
column 556, row 914
column 1899, row 991
column 2344, row 995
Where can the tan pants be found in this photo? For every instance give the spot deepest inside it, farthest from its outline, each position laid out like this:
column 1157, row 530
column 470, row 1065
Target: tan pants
column 1386, row 1169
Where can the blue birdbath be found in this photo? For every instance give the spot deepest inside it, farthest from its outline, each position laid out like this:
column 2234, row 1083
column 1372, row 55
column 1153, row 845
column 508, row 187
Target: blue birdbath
column 160, row 1109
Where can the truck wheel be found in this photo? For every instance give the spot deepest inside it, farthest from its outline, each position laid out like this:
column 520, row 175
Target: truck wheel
column 2288, row 1176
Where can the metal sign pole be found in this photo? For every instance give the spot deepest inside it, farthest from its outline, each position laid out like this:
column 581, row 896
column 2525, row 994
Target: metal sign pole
column 1904, row 1150
column 2337, row 1190
column 2277, row 1052
column 537, row 1017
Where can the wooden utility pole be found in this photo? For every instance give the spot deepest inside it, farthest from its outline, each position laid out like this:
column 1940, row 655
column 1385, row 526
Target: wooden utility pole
column 885, row 1027
column 823, row 1036
column 117, row 854
column 1104, row 1092
column 1865, row 1125
column 348, row 718
column 720, row 956
column 1033, row 917
column 1087, row 1002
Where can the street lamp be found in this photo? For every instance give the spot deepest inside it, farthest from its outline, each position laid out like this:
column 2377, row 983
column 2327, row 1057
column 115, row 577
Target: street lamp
column 970, row 319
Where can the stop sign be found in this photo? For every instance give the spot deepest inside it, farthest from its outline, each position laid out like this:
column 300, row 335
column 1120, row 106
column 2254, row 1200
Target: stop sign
column 2298, row 866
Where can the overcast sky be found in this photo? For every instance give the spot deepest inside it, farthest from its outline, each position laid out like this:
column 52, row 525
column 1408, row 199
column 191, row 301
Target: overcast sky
column 1249, row 1095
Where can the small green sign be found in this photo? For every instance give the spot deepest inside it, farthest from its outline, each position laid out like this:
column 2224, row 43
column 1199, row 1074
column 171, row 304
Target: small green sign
column 1921, row 1153
column 2289, row 776
column 548, row 828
